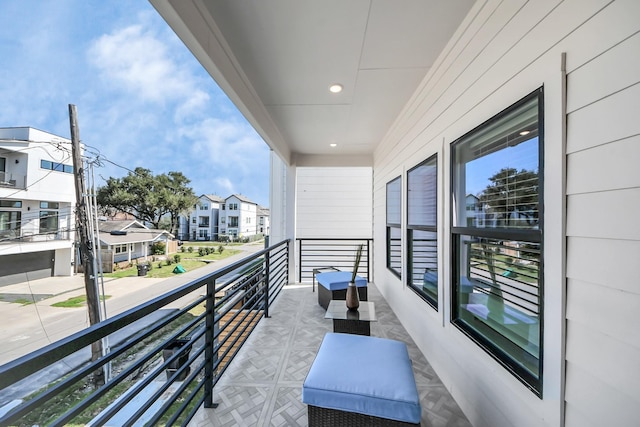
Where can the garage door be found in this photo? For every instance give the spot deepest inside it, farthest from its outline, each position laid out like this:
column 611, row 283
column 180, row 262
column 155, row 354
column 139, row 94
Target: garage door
column 30, row 266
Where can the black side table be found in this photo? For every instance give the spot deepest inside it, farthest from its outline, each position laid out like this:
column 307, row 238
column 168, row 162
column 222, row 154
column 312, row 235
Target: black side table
column 351, row 322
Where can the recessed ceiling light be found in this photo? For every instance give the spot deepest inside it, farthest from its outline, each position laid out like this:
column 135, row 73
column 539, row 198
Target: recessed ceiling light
column 525, row 132
column 335, row 88
column 333, row 144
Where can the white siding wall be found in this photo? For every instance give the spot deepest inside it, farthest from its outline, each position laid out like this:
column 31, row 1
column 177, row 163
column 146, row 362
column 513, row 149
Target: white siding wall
column 603, row 236
column 333, row 202
column 502, row 52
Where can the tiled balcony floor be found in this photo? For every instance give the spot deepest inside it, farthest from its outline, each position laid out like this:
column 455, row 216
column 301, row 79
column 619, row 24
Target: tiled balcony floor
column 263, row 384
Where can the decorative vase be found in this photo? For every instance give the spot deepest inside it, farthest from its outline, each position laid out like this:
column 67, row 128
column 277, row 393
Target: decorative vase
column 353, row 302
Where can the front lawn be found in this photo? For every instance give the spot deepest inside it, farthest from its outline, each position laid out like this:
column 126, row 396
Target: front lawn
column 189, row 261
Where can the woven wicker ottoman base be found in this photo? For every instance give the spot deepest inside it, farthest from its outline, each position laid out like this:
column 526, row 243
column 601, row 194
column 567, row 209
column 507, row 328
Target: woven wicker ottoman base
column 323, row 417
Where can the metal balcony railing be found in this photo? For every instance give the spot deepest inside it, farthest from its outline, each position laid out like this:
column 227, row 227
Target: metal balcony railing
column 318, row 253
column 160, row 373
column 12, row 180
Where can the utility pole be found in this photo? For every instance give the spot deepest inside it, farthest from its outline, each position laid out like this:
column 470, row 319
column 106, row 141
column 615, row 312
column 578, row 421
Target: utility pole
column 86, row 244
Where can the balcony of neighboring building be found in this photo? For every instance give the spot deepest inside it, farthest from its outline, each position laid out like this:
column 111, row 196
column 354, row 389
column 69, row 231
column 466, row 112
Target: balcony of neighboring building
column 12, row 170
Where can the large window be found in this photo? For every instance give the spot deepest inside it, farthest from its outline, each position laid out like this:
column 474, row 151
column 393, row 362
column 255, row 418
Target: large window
column 422, row 236
column 48, row 221
column 394, row 216
column 48, row 217
column 497, row 237
column 10, row 222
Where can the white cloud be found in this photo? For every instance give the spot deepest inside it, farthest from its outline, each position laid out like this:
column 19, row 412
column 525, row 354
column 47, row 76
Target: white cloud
column 142, row 99
column 136, row 60
column 225, row 142
column 225, row 186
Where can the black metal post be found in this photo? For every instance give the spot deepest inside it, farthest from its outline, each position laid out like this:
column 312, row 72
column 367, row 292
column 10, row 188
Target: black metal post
column 368, row 258
column 300, row 262
column 287, row 260
column 209, row 343
column 267, row 257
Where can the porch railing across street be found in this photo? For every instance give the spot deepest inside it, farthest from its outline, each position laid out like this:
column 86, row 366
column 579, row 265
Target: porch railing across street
column 158, row 373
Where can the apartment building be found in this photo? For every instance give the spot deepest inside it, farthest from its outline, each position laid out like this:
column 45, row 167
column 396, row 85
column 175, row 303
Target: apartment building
column 202, row 222
column 213, row 216
column 238, row 217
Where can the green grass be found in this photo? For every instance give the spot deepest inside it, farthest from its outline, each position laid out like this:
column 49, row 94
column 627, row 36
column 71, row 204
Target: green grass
column 23, row 301
column 190, row 261
column 75, row 302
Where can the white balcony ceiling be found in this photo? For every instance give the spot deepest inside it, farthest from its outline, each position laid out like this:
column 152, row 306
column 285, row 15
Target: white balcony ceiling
column 276, row 59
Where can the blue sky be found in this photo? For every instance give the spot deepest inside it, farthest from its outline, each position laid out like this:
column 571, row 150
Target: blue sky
column 521, row 156
column 142, row 98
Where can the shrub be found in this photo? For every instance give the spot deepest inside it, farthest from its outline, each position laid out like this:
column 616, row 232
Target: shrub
column 207, row 250
column 190, row 249
column 158, row 248
column 149, row 266
column 160, row 264
column 168, row 261
column 201, row 251
column 220, row 249
column 182, row 249
column 177, row 258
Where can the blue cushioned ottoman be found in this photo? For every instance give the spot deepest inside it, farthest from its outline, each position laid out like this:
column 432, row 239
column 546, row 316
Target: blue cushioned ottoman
column 333, row 285
column 361, row 380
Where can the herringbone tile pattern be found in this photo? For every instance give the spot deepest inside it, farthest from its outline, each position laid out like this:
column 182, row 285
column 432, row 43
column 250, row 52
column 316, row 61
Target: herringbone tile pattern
column 263, row 384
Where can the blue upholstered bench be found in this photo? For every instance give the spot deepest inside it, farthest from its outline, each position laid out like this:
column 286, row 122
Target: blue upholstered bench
column 359, row 380
column 333, row 285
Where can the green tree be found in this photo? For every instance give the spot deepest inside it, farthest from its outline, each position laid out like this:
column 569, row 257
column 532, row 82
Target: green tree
column 147, row 197
column 512, row 197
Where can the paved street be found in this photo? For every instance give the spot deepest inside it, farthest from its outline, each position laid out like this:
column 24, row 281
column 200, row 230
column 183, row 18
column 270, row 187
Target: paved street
column 26, row 328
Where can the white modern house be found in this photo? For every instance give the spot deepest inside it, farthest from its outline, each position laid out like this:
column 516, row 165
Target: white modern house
column 408, row 107
column 202, row 222
column 37, row 199
column 238, row 217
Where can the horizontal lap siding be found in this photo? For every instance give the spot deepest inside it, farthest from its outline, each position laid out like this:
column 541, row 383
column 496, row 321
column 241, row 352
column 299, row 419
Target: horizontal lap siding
column 503, row 51
column 333, row 202
column 603, row 235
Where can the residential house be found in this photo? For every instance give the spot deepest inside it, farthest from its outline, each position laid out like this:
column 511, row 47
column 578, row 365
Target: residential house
column 238, row 217
column 429, row 99
column 202, row 221
column 37, row 200
column 263, row 221
column 125, row 241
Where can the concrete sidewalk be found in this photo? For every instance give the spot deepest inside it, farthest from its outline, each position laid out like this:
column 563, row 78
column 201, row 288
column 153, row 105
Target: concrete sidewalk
column 26, row 328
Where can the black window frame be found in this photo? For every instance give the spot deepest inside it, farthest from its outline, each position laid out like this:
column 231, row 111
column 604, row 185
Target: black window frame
column 430, row 274
column 535, row 236
column 394, row 228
